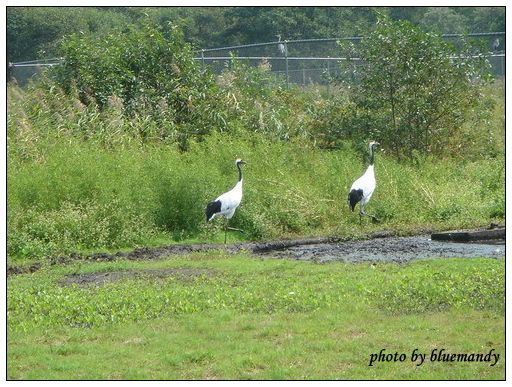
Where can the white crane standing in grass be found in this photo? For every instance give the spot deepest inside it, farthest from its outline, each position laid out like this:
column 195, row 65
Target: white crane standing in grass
column 226, row 204
column 362, row 189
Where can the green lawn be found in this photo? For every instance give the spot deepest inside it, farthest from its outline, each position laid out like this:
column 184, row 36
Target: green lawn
column 223, row 316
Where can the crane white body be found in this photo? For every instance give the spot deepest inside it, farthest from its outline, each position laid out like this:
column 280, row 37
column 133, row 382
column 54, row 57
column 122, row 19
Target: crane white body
column 362, row 189
column 226, row 204
column 229, row 202
column 281, row 48
column 367, row 183
column 496, row 44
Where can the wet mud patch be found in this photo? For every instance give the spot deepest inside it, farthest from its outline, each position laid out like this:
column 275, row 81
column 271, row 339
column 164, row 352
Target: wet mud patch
column 382, row 246
column 396, row 249
column 100, row 278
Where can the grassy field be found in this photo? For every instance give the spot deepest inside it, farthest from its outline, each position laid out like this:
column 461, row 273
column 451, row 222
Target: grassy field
column 217, row 316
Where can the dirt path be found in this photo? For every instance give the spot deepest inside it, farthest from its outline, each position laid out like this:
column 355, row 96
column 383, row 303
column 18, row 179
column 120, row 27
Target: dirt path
column 378, row 247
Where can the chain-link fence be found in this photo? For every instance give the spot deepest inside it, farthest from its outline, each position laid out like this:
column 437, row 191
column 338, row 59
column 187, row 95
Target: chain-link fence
column 303, row 62
column 317, row 60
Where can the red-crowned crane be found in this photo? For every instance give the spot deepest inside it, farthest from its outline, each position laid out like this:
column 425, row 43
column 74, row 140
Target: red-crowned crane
column 362, row 189
column 226, row 204
column 281, row 48
column 496, row 45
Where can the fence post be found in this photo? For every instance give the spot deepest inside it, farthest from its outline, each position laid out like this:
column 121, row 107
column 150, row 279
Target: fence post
column 202, row 59
column 328, row 76
column 286, row 62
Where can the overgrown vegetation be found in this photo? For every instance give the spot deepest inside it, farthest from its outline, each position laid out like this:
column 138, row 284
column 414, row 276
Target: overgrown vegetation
column 147, row 74
column 128, row 151
column 76, row 196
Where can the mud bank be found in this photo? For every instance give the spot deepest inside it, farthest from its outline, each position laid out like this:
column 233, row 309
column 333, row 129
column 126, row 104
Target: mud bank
column 396, row 249
column 382, row 247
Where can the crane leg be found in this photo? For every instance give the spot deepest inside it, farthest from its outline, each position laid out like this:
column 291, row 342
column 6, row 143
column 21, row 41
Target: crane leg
column 235, row 229
column 226, row 228
column 361, row 213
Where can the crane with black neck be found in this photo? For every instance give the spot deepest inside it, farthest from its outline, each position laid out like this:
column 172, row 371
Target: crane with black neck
column 227, row 203
column 362, row 189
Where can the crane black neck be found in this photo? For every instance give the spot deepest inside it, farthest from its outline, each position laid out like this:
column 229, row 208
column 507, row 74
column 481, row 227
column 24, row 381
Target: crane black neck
column 372, row 156
column 239, row 172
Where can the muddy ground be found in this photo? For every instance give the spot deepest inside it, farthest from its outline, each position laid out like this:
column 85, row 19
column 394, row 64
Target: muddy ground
column 396, row 249
column 381, row 247
column 86, row 279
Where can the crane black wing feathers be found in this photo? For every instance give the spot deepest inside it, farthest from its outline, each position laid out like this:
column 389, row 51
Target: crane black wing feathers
column 212, row 208
column 355, row 197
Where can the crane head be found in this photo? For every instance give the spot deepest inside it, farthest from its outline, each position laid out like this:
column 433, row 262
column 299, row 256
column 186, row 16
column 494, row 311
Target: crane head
column 373, row 143
column 239, row 162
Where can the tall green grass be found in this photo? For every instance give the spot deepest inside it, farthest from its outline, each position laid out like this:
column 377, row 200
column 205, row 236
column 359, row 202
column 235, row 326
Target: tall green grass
column 78, row 196
column 80, row 178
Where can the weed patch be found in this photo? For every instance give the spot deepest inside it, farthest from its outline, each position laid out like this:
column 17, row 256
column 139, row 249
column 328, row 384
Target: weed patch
column 272, row 319
column 421, row 288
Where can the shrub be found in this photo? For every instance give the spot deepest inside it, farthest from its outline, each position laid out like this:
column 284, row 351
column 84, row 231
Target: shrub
column 152, row 71
column 414, row 90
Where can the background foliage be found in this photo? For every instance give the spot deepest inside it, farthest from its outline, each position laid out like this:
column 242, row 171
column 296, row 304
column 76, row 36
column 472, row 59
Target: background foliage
column 33, row 32
column 148, row 72
column 413, row 90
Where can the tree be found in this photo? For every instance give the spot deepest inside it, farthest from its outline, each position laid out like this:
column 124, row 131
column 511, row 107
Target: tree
column 414, row 89
column 34, row 32
column 152, row 72
column 483, row 19
column 443, row 20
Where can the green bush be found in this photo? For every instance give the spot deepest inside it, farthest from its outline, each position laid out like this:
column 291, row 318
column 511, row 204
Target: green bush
column 414, row 90
column 151, row 71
